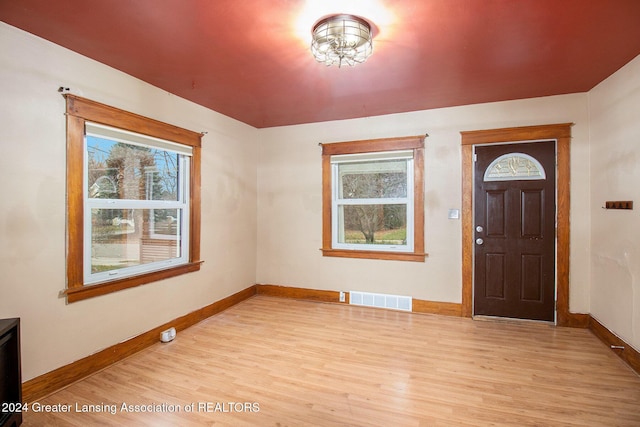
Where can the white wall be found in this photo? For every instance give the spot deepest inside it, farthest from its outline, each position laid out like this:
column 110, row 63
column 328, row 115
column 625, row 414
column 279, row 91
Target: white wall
column 615, row 175
column 32, row 212
column 290, row 205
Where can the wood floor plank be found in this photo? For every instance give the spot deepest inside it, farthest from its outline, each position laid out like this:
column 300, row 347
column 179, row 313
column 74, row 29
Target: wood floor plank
column 270, row 361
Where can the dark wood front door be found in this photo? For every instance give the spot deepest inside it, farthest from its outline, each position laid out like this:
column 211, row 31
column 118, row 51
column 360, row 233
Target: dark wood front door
column 514, row 231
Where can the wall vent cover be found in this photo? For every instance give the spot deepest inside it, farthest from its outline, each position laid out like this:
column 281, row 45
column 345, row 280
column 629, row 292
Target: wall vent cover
column 395, row 302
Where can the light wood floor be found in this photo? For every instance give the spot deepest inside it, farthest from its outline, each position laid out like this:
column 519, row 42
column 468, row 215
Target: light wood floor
column 294, row 363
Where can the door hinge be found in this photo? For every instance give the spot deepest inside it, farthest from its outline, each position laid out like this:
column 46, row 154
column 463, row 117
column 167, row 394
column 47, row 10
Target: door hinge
column 475, row 157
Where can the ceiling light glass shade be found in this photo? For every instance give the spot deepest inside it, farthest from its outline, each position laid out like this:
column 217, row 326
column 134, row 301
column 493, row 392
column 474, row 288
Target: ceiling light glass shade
column 342, row 39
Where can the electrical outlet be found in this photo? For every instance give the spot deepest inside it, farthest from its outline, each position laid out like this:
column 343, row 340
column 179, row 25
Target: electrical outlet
column 342, row 297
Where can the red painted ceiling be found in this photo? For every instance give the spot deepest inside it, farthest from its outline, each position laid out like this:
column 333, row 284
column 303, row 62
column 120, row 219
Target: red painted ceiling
column 250, row 60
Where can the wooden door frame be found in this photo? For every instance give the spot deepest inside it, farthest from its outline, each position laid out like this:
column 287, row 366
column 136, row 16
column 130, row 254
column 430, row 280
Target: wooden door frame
column 561, row 133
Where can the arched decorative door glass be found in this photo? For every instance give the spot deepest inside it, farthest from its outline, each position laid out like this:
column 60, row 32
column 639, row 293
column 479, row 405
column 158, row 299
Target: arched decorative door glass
column 514, row 166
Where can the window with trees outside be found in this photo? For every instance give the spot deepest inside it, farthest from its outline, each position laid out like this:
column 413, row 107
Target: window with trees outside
column 373, row 199
column 133, row 199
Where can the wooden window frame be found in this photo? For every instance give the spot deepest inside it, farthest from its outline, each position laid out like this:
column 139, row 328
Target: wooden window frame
column 415, row 143
column 79, row 110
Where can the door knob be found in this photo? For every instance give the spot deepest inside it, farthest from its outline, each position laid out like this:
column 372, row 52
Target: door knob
column 479, row 229
column 479, row 241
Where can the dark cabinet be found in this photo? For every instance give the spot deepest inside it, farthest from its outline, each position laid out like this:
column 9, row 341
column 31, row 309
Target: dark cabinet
column 10, row 374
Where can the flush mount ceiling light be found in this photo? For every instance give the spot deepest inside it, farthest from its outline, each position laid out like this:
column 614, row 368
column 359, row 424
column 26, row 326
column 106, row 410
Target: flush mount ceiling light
column 342, row 39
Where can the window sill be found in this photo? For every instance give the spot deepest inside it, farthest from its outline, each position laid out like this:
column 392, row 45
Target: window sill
column 396, row 256
column 81, row 292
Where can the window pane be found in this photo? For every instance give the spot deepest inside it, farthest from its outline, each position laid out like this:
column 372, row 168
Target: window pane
column 373, row 180
column 125, row 171
column 373, row 224
column 123, row 238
